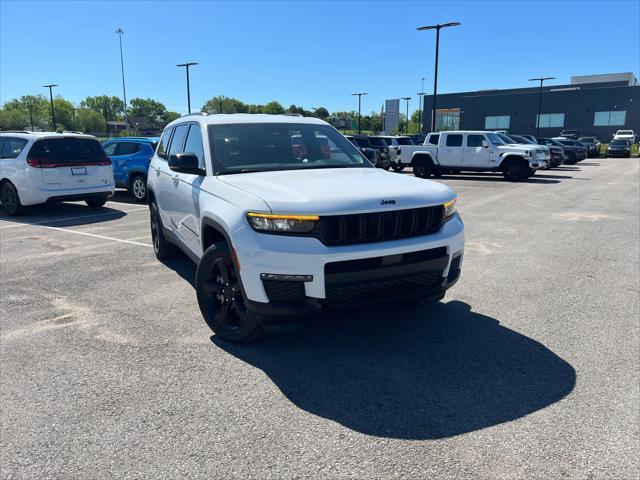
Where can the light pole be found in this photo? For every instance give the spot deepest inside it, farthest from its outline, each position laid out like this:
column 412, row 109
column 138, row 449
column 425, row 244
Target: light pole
column 421, row 97
column 30, row 108
column 119, row 32
column 187, row 65
column 435, row 74
column 53, row 113
column 359, row 105
column 541, row 80
column 406, row 125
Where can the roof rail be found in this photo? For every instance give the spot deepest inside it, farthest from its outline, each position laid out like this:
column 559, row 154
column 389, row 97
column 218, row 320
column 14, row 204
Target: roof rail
column 195, row 113
column 16, row 131
column 294, row 114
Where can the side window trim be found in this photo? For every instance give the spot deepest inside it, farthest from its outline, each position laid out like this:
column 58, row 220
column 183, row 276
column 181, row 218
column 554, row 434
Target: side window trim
column 168, row 145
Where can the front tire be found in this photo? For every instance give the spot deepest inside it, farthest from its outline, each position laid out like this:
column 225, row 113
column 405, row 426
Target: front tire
column 96, row 202
column 571, row 159
column 138, row 188
column 221, row 297
column 397, row 167
column 515, row 171
column 10, row 199
column 161, row 246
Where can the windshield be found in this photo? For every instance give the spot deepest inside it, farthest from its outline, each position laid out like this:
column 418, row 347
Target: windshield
column 569, row 143
column 263, row 147
column 495, row 139
column 522, row 140
column 587, row 140
column 387, row 141
column 625, row 132
column 619, row 143
column 404, row 141
column 506, row 139
column 377, row 142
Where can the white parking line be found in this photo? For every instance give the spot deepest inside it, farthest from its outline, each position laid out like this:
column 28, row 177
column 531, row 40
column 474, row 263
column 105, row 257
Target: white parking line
column 97, row 236
column 26, row 224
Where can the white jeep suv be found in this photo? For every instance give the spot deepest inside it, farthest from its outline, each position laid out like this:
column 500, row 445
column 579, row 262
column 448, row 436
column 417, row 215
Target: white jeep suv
column 284, row 216
column 41, row 167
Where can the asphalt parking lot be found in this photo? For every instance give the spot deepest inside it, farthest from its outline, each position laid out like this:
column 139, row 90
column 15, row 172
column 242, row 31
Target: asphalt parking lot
column 528, row 368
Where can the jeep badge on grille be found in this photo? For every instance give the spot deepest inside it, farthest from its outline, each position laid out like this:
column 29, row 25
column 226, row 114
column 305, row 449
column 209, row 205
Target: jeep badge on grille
column 388, row 202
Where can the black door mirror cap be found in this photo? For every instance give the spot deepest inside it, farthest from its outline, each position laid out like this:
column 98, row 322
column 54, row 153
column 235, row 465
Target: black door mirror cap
column 185, row 162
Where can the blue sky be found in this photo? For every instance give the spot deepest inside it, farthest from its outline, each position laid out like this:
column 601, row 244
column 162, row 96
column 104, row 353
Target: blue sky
column 307, row 53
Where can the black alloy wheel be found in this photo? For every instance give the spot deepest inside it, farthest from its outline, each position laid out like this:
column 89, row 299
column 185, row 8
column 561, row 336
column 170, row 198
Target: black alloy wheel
column 221, row 298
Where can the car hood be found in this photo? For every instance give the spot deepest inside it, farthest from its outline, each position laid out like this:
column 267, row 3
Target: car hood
column 339, row 190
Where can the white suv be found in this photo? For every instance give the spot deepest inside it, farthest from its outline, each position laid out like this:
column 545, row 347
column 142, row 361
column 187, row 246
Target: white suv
column 52, row 167
column 284, row 216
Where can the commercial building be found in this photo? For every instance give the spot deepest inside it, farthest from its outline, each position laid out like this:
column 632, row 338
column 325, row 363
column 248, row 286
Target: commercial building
column 593, row 104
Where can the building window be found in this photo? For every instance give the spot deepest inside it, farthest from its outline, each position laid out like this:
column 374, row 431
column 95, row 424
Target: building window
column 551, row 120
column 447, row 119
column 501, row 122
column 603, row 119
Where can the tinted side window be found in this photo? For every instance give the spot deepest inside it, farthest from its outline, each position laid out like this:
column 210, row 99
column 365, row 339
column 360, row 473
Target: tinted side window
column 11, row 147
column 177, row 141
column 164, row 143
column 194, row 144
column 454, row 140
column 67, row 151
column 434, row 139
column 127, row 148
column 474, row 140
column 109, row 148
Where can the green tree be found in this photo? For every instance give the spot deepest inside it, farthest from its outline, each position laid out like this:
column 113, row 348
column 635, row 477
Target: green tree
column 13, row 119
column 89, row 121
column 273, row 108
column 170, row 116
column 40, row 111
column 222, row 104
column 109, row 107
column 64, row 113
column 154, row 111
column 322, row 112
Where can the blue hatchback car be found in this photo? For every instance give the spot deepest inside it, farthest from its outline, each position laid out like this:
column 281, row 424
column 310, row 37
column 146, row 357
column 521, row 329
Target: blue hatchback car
column 130, row 157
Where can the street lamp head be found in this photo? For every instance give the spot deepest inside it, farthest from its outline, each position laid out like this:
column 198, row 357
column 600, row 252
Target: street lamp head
column 188, row 64
column 353, row 94
column 50, row 86
column 120, row 31
column 540, row 79
column 439, row 26
column 406, row 98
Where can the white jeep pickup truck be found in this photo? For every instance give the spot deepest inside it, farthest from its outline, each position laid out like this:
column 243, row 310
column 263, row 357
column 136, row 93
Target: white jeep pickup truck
column 284, row 216
column 474, row 151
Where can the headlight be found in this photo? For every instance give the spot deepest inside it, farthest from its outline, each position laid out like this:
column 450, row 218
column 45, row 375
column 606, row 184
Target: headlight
column 450, row 208
column 265, row 222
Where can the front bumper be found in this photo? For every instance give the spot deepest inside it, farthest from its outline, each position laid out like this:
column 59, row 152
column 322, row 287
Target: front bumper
column 259, row 253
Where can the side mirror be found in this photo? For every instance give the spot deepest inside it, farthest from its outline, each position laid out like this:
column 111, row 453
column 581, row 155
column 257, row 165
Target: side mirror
column 185, row 162
column 485, row 144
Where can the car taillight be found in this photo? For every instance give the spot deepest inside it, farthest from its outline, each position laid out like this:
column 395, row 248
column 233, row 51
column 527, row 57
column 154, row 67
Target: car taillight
column 104, row 161
column 41, row 162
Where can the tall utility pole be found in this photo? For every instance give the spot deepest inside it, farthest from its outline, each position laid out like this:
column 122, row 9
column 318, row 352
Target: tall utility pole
column 421, row 97
column 119, row 32
column 186, row 66
column 541, row 80
column 406, row 125
column 435, row 74
column 53, row 113
column 359, row 105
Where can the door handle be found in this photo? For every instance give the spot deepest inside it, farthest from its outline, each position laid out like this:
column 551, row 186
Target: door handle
column 157, row 172
column 176, row 179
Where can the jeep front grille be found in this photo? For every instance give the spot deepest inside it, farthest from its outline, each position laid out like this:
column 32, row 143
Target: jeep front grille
column 378, row 227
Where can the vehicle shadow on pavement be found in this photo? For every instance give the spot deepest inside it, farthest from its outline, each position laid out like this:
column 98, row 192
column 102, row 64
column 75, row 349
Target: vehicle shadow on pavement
column 63, row 215
column 123, row 196
column 424, row 372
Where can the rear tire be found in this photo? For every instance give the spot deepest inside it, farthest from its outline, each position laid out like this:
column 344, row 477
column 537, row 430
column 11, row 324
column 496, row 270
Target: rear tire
column 221, row 297
column 138, row 188
column 96, row 202
column 571, row 159
column 10, row 199
column 397, row 167
column 422, row 167
column 161, row 246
